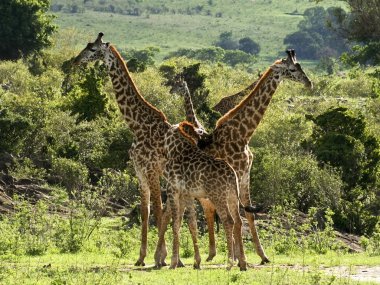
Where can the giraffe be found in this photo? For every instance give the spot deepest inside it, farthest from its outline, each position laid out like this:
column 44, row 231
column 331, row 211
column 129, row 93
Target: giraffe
column 180, row 87
column 230, row 138
column 191, row 173
column 148, row 125
column 226, row 143
column 229, row 102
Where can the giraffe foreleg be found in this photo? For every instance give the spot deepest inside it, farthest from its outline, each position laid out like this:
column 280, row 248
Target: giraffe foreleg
column 175, row 208
column 149, row 190
column 145, row 198
column 158, row 256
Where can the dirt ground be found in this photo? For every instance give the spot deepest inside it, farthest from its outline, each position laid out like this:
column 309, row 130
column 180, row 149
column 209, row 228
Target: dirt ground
column 357, row 273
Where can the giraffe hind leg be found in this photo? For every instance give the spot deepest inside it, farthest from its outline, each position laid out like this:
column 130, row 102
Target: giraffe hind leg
column 209, row 212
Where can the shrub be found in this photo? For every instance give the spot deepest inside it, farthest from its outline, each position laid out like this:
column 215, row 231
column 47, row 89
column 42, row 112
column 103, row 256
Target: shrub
column 120, row 186
column 26, row 169
column 71, row 174
column 372, row 244
column 34, row 227
column 291, row 232
column 278, row 179
column 341, row 139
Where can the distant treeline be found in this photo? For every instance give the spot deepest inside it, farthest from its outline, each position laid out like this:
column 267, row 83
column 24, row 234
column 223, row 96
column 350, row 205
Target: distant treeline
column 133, row 7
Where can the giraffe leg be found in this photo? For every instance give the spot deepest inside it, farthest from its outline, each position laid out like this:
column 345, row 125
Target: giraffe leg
column 157, row 209
column 238, row 238
column 182, row 205
column 246, row 200
column 145, row 198
column 194, row 233
column 150, row 189
column 228, row 224
column 161, row 237
column 209, row 212
column 174, row 203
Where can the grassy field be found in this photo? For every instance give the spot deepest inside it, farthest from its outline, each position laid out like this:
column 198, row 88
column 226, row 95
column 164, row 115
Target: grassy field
column 267, row 22
column 95, row 268
column 99, row 262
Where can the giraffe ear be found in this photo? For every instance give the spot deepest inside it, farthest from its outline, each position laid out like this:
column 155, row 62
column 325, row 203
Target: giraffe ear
column 107, row 44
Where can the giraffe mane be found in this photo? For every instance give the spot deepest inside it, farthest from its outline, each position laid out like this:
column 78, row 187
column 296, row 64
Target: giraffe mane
column 185, row 134
column 236, row 109
column 125, row 69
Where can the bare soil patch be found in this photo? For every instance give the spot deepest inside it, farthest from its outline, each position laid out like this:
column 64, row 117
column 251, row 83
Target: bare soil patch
column 357, row 273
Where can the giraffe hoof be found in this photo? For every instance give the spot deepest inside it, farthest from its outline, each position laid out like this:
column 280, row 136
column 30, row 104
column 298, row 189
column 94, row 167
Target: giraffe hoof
column 163, row 263
column 180, row 264
column 264, row 261
column 139, row 263
column 243, row 268
column 196, row 266
column 210, row 257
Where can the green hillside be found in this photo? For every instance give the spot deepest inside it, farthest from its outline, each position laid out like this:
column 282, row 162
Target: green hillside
column 182, row 25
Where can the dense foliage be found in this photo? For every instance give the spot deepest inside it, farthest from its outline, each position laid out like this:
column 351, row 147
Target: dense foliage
column 362, row 27
column 341, row 139
column 315, row 39
column 25, row 27
column 246, row 44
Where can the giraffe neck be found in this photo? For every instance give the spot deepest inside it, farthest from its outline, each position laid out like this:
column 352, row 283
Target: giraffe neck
column 189, row 109
column 242, row 121
column 137, row 112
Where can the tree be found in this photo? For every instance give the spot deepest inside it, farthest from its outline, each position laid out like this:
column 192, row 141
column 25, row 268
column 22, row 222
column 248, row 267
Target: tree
column 315, row 39
column 139, row 60
column 362, row 26
column 25, row 27
column 200, row 95
column 249, row 46
column 234, row 57
column 226, row 42
column 341, row 139
column 88, row 100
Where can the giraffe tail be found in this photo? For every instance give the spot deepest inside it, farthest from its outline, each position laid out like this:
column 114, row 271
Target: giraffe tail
column 250, row 209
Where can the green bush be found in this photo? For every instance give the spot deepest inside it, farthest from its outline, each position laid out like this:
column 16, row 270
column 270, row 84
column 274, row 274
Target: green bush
column 10, row 239
column 120, row 186
column 290, row 231
column 33, row 226
column 14, row 130
column 372, row 244
column 341, row 139
column 26, row 169
column 71, row 174
column 278, row 179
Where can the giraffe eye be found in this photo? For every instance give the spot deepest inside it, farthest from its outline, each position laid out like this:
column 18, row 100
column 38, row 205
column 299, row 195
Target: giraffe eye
column 92, row 49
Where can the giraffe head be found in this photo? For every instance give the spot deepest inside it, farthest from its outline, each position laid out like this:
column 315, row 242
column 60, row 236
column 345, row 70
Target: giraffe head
column 189, row 131
column 289, row 68
column 179, row 86
column 93, row 51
